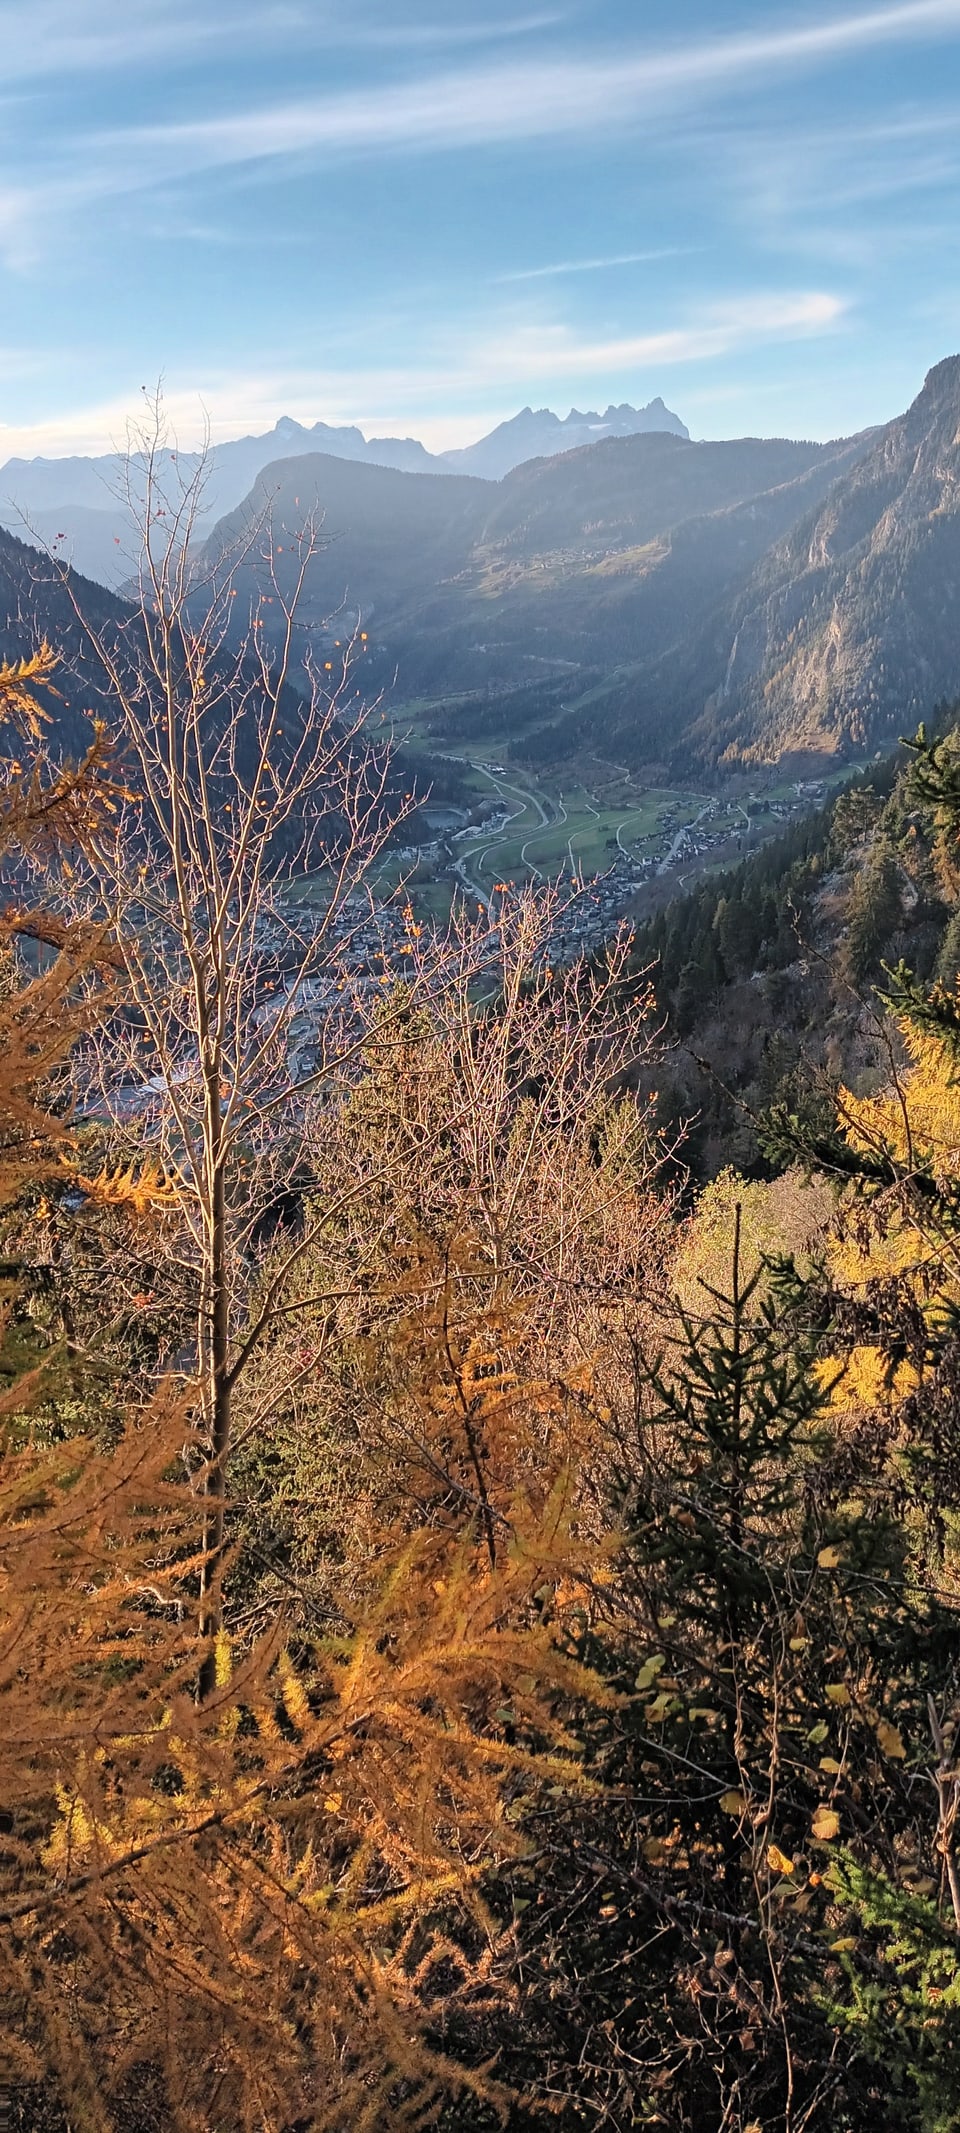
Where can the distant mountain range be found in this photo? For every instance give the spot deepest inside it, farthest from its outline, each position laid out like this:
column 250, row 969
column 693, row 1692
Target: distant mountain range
column 433, row 566
column 644, row 600
column 81, row 507
column 541, row 435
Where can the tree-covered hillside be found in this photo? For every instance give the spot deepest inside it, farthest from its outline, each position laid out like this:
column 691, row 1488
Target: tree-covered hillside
column 771, row 977
column 34, row 605
column 601, row 560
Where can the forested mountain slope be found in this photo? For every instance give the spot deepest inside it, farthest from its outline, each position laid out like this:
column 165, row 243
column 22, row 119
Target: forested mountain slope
column 651, row 613
column 35, row 604
column 843, row 630
column 770, row 977
column 572, row 563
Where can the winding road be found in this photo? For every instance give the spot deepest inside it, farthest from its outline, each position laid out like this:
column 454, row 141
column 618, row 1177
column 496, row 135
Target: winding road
column 527, row 800
column 545, row 824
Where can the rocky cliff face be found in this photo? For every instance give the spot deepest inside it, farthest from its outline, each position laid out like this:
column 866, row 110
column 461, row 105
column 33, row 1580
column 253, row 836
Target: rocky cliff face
column 849, row 629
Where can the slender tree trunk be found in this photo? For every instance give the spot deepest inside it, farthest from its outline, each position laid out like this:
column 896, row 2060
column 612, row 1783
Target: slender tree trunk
column 217, row 1400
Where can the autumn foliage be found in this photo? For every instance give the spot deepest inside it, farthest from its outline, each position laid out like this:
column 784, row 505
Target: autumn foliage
column 251, row 1900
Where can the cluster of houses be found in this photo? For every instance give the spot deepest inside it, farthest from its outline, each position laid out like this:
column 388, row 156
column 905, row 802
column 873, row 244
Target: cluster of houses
column 592, row 913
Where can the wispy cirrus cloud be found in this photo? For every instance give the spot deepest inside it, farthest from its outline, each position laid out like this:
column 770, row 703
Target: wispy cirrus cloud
column 523, row 100
column 800, row 175
column 554, row 352
column 63, row 37
column 391, row 35
column 465, row 107
column 847, row 196
column 594, row 266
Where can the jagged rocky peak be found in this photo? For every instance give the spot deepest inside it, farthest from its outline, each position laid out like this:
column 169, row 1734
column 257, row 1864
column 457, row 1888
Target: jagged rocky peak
column 933, row 419
column 942, row 383
column 540, row 434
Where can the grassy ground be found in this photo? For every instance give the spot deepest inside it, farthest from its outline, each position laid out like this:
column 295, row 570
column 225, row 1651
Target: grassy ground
column 585, row 830
column 433, row 901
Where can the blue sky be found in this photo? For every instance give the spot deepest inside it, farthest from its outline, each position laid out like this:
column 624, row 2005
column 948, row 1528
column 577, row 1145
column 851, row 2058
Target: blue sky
column 422, row 214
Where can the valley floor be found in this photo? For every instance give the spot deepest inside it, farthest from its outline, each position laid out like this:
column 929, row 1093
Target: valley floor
column 636, row 845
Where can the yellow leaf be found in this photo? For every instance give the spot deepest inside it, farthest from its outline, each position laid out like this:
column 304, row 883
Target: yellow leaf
column 837, row 1692
column 124, row 1188
column 825, row 1824
column 333, row 1803
column 778, row 1861
column 843, row 1947
column 830, row 1765
column 891, row 1741
column 296, row 1700
column 650, row 1669
column 829, row 1558
column 733, row 1803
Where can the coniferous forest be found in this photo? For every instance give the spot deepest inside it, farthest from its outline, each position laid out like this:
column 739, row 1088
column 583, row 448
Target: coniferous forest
column 480, row 1458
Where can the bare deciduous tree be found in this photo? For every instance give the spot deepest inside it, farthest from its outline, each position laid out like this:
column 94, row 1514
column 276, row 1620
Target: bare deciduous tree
column 244, row 994
column 489, row 1165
